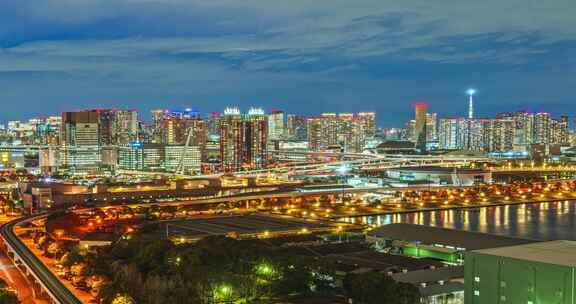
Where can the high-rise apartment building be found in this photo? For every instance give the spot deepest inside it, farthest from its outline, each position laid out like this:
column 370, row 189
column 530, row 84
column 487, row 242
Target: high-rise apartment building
column 420, row 126
column 276, row 128
column 483, row 135
column 231, row 140
column 539, row 128
column 431, row 127
column 329, row 130
column 255, row 139
column 368, row 121
column 297, row 127
column 243, row 139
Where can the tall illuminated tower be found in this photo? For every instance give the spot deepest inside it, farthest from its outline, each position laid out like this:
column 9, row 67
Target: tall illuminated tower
column 231, row 135
column 471, row 93
column 420, row 126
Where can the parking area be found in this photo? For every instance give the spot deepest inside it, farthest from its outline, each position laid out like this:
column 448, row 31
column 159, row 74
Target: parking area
column 254, row 225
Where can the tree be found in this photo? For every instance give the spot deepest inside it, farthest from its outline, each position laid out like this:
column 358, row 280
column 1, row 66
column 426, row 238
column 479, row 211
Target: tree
column 70, row 258
column 407, row 293
column 55, row 249
column 8, row 297
column 123, row 299
column 377, row 288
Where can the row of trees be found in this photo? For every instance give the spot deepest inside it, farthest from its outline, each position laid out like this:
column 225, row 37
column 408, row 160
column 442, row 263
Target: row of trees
column 7, row 295
column 214, row 270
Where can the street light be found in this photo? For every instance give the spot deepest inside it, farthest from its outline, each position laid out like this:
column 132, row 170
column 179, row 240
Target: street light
column 342, row 171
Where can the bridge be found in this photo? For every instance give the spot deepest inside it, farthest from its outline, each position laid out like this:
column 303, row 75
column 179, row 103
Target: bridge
column 44, row 282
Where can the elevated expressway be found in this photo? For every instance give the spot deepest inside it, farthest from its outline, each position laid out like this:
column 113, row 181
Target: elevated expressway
column 42, row 279
column 354, row 161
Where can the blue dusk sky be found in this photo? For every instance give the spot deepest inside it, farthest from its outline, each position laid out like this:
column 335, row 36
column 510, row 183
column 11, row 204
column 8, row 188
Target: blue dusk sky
column 301, row 56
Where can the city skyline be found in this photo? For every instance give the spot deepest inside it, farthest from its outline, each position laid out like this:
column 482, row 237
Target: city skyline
column 346, row 57
column 302, row 151
column 147, row 116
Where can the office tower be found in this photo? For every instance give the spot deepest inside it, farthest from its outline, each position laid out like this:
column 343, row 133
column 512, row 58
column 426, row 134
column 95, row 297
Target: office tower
column 48, row 157
column 126, row 127
column 420, row 126
column 158, row 124
column 46, row 131
column 368, row 120
column 255, row 139
column 141, row 156
column 107, row 126
column 297, row 127
column 213, row 124
column 80, row 140
column 188, row 159
column 231, row 135
column 276, row 127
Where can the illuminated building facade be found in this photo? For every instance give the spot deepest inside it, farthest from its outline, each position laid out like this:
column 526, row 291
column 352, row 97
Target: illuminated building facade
column 328, row 130
column 276, row 126
column 231, row 140
column 80, row 140
column 420, row 126
column 368, row 121
column 256, row 139
column 297, row 128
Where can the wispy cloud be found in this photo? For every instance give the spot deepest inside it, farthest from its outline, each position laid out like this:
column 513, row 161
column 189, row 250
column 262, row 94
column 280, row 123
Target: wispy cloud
column 221, row 48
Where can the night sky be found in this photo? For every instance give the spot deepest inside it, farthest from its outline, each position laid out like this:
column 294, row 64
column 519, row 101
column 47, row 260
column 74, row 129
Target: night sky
column 300, row 56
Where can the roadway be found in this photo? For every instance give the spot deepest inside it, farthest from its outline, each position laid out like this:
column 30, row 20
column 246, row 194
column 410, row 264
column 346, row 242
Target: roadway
column 52, row 284
column 361, row 161
column 12, row 275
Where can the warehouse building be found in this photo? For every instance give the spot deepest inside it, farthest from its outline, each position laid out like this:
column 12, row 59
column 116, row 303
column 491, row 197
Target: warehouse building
column 537, row 273
column 443, row 244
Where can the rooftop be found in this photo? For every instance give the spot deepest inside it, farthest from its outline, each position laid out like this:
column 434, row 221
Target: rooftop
column 433, row 235
column 436, row 169
column 430, row 275
column 437, row 289
column 383, row 261
column 553, row 252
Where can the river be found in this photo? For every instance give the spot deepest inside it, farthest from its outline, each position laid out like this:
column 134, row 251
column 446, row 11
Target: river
column 541, row 221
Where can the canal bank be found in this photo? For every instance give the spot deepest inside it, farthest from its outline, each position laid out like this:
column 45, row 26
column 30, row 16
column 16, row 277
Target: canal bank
column 449, row 207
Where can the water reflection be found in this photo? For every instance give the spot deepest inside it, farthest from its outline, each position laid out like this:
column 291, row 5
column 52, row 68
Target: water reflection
column 544, row 221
